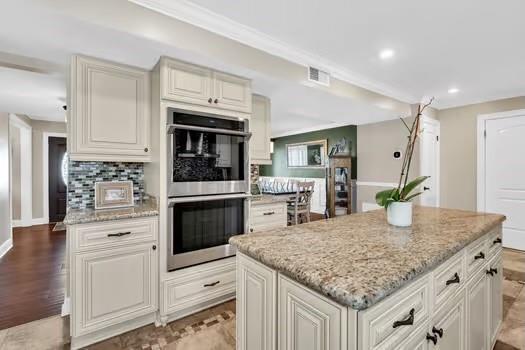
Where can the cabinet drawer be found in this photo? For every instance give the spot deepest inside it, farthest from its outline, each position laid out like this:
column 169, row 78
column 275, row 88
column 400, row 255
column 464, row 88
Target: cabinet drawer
column 449, row 278
column 268, row 213
column 494, row 240
column 200, row 284
column 114, row 233
column 380, row 326
column 476, row 256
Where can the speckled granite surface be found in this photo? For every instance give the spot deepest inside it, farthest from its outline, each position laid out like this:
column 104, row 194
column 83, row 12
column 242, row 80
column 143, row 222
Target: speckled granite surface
column 359, row 259
column 83, row 216
column 268, row 199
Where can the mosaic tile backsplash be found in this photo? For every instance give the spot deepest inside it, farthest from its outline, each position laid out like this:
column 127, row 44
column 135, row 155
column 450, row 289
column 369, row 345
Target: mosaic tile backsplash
column 83, row 175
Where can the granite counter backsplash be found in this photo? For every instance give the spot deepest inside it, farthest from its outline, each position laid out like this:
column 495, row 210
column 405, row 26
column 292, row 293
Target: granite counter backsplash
column 83, row 175
column 359, row 259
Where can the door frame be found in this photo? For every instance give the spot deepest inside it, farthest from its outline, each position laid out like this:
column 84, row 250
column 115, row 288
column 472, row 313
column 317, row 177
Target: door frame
column 437, row 183
column 481, row 152
column 26, row 172
column 45, row 170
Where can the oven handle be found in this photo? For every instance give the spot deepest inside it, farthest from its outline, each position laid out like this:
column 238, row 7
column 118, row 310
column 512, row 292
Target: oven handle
column 173, row 201
column 172, row 127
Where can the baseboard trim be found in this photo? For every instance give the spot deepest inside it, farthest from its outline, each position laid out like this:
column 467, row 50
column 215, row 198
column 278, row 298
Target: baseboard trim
column 66, row 307
column 376, row 184
column 21, row 223
column 40, row 221
column 6, row 246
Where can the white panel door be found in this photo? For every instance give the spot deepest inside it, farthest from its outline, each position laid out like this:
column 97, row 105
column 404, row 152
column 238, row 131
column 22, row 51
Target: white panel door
column 429, row 164
column 505, row 176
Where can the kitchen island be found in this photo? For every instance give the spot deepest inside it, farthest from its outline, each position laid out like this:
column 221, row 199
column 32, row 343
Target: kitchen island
column 354, row 282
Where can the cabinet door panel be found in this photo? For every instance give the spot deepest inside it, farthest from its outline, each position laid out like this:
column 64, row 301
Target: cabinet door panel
column 307, row 321
column 110, row 114
column 417, row 340
column 495, row 298
column 114, row 286
column 261, row 130
column 477, row 312
column 186, row 83
column 451, row 319
column 256, row 304
column 232, row 92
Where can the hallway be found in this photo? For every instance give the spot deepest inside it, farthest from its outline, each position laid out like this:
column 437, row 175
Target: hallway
column 32, row 277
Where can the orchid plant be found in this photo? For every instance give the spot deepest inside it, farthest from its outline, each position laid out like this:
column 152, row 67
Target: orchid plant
column 404, row 192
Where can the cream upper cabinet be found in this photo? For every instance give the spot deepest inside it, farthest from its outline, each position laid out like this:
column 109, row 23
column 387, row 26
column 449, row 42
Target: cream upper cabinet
column 231, row 92
column 109, row 115
column 200, row 86
column 260, row 126
column 186, row 83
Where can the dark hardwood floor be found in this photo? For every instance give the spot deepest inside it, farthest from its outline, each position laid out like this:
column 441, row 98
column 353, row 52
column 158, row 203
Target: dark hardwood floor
column 32, row 277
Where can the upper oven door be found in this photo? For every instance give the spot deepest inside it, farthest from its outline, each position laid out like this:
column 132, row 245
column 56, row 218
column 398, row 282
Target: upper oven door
column 208, row 156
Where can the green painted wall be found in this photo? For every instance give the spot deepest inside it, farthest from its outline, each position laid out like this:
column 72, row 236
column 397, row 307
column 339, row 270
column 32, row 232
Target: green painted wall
column 279, row 165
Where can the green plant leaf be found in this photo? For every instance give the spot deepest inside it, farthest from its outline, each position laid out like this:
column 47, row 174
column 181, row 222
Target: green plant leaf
column 384, row 198
column 412, row 196
column 411, row 185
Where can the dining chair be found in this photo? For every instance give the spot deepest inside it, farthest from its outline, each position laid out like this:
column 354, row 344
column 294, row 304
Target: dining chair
column 299, row 206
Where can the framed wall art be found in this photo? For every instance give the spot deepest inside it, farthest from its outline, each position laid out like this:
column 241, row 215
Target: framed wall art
column 113, row 194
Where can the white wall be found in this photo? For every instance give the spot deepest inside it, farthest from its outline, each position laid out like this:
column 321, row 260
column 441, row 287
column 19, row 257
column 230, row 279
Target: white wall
column 5, row 203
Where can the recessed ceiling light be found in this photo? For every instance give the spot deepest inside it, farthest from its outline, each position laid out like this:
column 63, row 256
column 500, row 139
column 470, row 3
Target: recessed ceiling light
column 386, row 54
column 453, row 90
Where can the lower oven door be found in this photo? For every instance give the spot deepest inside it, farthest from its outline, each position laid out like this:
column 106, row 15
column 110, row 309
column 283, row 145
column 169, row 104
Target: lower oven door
column 200, row 227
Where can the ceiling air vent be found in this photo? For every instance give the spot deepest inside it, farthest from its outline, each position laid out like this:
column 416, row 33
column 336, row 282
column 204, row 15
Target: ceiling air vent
column 318, row 76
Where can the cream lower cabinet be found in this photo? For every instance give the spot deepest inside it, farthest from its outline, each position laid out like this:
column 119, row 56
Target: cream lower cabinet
column 275, row 312
column 477, row 312
column 256, row 309
column 114, row 281
column 495, row 302
column 307, row 321
column 109, row 112
column 267, row 216
column 448, row 325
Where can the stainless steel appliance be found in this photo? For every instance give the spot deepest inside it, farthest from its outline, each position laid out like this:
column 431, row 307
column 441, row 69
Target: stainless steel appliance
column 207, row 154
column 199, row 228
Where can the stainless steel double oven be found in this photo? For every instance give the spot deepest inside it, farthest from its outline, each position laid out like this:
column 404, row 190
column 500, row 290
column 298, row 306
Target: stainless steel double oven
column 208, row 172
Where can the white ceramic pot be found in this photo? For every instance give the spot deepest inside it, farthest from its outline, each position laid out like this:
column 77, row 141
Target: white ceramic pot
column 399, row 214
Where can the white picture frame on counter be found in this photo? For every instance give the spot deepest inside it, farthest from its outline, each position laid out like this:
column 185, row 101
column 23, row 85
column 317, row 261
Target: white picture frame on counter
column 113, row 194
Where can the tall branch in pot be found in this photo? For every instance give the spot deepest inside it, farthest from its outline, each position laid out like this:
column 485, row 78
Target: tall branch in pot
column 402, row 192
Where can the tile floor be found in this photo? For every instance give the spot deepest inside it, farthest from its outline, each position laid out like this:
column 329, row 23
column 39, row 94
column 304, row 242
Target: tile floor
column 214, row 328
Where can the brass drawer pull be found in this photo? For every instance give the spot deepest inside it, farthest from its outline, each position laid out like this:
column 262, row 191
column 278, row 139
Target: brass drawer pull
column 212, row 284
column 119, row 234
column 406, row 322
column 454, row 279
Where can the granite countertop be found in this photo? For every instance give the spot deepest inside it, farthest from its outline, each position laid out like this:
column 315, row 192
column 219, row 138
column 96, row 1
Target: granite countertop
column 83, row 216
column 268, row 199
column 359, row 259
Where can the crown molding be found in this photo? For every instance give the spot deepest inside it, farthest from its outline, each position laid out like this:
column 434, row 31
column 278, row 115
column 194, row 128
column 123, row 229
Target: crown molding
column 325, row 126
column 201, row 17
